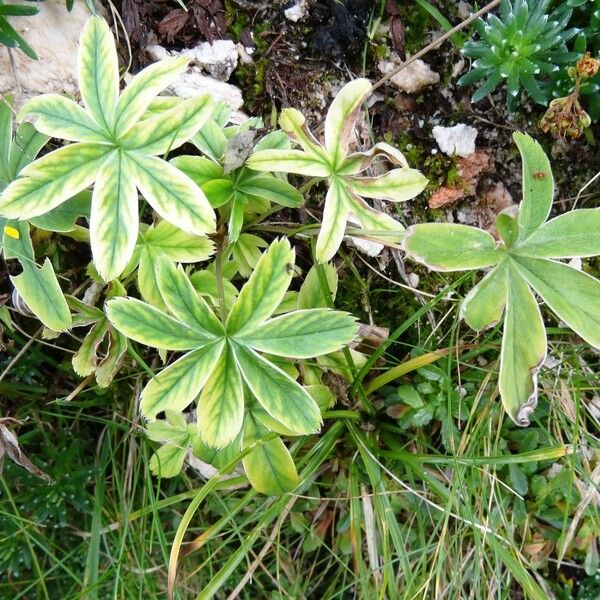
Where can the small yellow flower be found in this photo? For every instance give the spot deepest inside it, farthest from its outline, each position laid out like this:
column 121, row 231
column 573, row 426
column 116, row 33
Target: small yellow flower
column 588, row 66
column 12, row 232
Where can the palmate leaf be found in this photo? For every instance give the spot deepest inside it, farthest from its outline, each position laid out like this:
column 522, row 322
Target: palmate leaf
column 224, row 357
column 332, row 161
column 522, row 265
column 115, row 147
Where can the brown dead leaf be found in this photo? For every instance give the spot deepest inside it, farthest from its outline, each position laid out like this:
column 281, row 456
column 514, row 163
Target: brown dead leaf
column 9, row 446
column 172, row 24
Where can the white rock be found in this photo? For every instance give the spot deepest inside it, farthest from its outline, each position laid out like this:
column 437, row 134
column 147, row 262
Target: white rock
column 458, row 140
column 415, row 77
column 219, row 58
column 576, row 263
column 194, row 83
column 365, row 246
column 54, row 34
column 297, row 12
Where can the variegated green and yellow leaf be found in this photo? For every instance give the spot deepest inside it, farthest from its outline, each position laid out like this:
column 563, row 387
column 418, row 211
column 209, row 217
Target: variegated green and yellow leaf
column 538, row 185
column 146, row 279
column 484, row 304
column 114, row 217
column 288, row 161
column 60, row 117
column 265, row 289
column 221, row 403
column 333, row 226
column 143, row 88
column 523, row 349
column 378, row 225
column 109, row 365
column 282, row 397
column 272, row 189
column 573, row 295
column 173, row 195
column 270, row 468
column 179, row 384
column 341, row 118
column 293, row 122
column 52, row 179
column 199, row 169
column 143, row 323
column 98, row 68
column 302, row 333
column 397, row 185
column 164, row 238
column 574, row 234
column 169, row 130
column 85, row 359
column 28, row 142
column 182, row 299
column 451, row 247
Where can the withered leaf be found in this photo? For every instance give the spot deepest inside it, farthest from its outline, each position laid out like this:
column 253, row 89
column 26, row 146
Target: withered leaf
column 9, row 446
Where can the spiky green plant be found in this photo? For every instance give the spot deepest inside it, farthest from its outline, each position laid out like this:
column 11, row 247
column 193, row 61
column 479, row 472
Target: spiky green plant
column 522, row 46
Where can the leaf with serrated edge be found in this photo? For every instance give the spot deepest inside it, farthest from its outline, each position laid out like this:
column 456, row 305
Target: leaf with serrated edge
column 144, row 323
column 538, row 185
column 451, row 247
column 52, row 179
column 221, row 403
column 167, row 131
column 178, row 245
column 173, row 195
column 573, row 295
column 270, row 467
column 293, row 122
column 302, row 334
column 282, row 397
column 179, row 384
column 574, row 234
column 60, row 117
column 523, row 349
column 183, row 301
column 265, row 289
column 114, row 217
column 143, row 88
column 98, row 68
column 484, row 304
column 341, row 118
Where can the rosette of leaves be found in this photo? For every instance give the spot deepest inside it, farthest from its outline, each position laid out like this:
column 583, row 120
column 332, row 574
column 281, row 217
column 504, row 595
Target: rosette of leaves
column 38, row 286
column 332, row 161
column 526, row 261
column 9, row 36
column 224, row 355
column 522, row 46
column 114, row 149
column 229, row 185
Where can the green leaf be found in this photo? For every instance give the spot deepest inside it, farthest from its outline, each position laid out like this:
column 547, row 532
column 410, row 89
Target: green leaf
column 573, row 295
column 183, row 301
column 60, row 117
column 144, row 323
column 168, row 460
column 397, row 185
column 169, row 130
column 42, row 294
column 333, row 226
column 293, row 122
column 109, row 365
column 85, row 359
column 199, row 169
column 221, row 403
column 283, row 398
column 272, row 189
column 63, row 217
column 114, row 219
column 179, row 384
column 574, row 234
column 211, row 140
column 28, row 142
column 451, row 247
column 523, row 349
column 143, row 88
column 164, row 238
column 99, row 73
column 302, row 334
column 265, row 289
column 538, row 185
column 52, row 179
column 236, row 219
column 311, row 293
column 218, row 191
column 341, row 118
column 270, row 467
column 246, row 252
column 484, row 304
column 288, row 161
column 173, row 195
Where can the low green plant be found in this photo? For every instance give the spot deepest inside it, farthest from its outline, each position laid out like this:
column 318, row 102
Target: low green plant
column 527, row 259
column 332, row 162
column 525, row 44
column 9, row 36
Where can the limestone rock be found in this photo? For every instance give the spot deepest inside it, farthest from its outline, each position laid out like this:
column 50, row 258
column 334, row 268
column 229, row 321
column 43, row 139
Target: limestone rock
column 219, row 58
column 415, row 77
column 54, row 34
column 458, row 140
